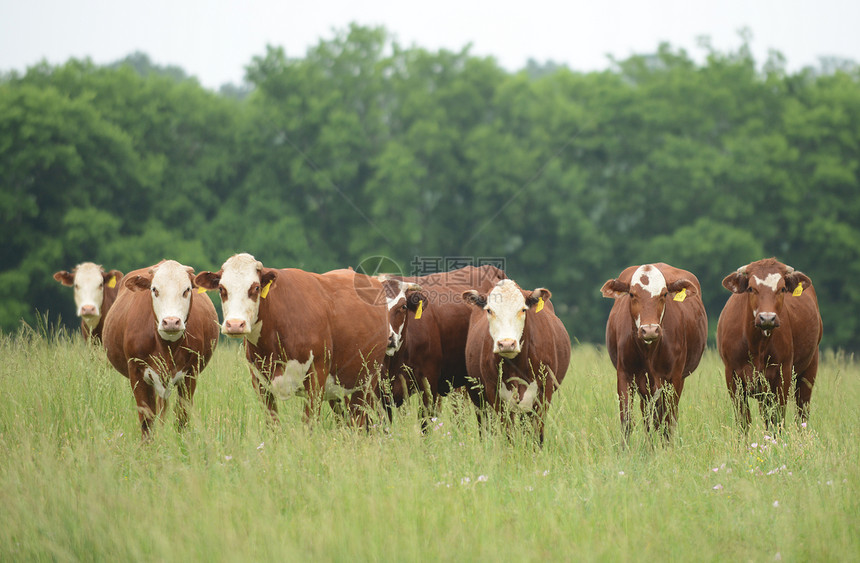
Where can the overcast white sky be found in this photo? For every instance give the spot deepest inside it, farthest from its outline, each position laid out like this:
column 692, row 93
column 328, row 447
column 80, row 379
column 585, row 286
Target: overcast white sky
column 215, row 39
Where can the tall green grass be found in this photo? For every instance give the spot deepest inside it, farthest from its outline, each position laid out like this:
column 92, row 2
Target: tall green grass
column 76, row 482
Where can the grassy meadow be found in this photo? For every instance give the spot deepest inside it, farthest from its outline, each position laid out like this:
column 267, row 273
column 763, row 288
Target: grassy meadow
column 77, row 484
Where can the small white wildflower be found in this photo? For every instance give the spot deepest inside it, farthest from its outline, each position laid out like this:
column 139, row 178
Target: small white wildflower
column 776, row 504
column 228, row 457
column 830, row 482
column 546, row 472
column 465, row 481
column 803, row 425
column 718, row 487
column 482, row 478
column 754, row 445
column 621, row 473
column 715, row 469
column 260, row 447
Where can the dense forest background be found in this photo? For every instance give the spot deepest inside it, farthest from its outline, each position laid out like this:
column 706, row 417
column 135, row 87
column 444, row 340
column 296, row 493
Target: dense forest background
column 363, row 148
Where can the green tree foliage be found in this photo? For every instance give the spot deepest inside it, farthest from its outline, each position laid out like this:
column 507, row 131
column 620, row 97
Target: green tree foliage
column 362, row 147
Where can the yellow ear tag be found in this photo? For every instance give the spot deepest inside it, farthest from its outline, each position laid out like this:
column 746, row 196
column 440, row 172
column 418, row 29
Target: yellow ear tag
column 201, row 290
column 420, row 310
column 681, row 295
column 797, row 290
column 112, row 282
column 265, row 291
column 539, row 307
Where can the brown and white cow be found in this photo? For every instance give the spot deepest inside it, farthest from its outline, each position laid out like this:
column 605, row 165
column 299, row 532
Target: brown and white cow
column 160, row 333
column 655, row 336
column 431, row 358
column 768, row 336
column 95, row 293
column 306, row 334
column 518, row 351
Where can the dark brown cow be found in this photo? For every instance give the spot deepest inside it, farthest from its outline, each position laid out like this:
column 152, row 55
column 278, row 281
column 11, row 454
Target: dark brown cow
column 314, row 335
column 517, row 350
column 95, row 292
column 160, row 333
column 432, row 353
column 655, row 335
column 768, row 331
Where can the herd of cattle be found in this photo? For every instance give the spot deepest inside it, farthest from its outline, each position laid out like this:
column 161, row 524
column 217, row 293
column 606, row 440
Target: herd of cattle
column 357, row 341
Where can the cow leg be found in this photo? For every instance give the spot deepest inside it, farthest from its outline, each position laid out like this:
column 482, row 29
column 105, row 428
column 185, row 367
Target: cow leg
column 803, row 389
column 185, row 398
column 624, row 397
column 144, row 397
column 314, row 386
column 737, row 394
column 262, row 390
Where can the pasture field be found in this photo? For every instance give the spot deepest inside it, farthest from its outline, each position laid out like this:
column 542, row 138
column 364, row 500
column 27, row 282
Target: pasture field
column 77, row 484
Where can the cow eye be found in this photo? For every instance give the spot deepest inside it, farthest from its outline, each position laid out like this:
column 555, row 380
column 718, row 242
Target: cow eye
column 525, row 310
column 222, row 291
column 186, row 292
column 404, row 306
column 154, row 292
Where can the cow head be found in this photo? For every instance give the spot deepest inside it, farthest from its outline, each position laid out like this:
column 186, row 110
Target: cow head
column 241, row 283
column 170, row 284
column 506, row 306
column 89, row 280
column 401, row 297
column 765, row 283
column 647, row 292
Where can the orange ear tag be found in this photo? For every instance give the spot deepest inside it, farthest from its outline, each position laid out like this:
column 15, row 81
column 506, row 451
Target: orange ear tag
column 112, row 282
column 539, row 307
column 265, row 291
column 681, row 295
column 797, row 290
column 420, row 310
column 201, row 290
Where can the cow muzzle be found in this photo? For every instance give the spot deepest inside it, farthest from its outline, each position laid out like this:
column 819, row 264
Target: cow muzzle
column 507, row 348
column 393, row 345
column 767, row 321
column 88, row 311
column 235, row 327
column 650, row 333
column 171, row 325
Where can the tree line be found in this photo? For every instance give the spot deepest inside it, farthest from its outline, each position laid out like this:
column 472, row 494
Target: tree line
column 362, row 147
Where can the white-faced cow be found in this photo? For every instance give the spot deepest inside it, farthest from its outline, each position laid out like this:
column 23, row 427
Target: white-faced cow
column 160, row 333
column 306, row 334
column 431, row 358
column 768, row 336
column 518, row 351
column 655, row 335
column 95, row 292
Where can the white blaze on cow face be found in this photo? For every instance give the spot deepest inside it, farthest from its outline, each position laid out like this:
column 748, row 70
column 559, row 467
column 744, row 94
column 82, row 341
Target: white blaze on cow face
column 506, row 314
column 171, row 290
column 396, row 318
column 647, row 286
column 771, row 281
column 240, row 275
column 89, row 292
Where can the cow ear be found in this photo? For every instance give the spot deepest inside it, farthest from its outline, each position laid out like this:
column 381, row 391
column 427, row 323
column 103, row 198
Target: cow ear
column 475, row 299
column 792, row 279
column 391, row 288
column 736, row 282
column 65, row 278
column 537, row 295
column 613, row 289
column 190, row 271
column 114, row 275
column 208, row 280
column 414, row 297
column 267, row 276
column 137, row 282
column 680, row 284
